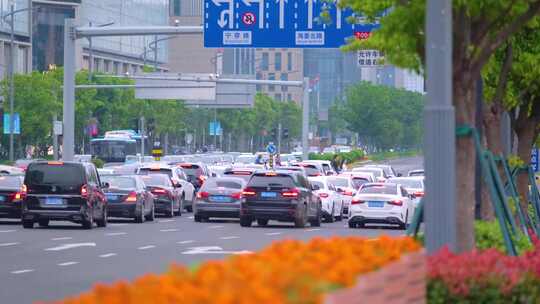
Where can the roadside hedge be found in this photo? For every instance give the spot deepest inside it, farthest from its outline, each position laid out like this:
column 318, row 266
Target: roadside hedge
column 349, row 157
column 285, row 272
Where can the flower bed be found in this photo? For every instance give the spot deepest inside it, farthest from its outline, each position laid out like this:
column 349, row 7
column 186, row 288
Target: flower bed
column 285, row 272
column 487, row 276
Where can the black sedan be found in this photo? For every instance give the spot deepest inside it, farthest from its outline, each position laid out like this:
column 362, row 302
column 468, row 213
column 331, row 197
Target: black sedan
column 128, row 198
column 12, row 192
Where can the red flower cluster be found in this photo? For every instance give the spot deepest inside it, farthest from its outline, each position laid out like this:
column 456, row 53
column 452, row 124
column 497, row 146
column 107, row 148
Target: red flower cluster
column 483, row 269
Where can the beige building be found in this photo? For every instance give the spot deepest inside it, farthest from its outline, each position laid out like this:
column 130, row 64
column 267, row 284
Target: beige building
column 280, row 64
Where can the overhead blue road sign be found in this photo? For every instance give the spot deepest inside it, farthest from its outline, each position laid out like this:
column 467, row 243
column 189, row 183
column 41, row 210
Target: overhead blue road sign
column 215, row 129
column 16, row 125
column 271, row 149
column 279, row 24
column 535, row 162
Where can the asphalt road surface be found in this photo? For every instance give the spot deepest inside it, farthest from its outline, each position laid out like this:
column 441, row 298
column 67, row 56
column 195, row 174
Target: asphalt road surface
column 44, row 264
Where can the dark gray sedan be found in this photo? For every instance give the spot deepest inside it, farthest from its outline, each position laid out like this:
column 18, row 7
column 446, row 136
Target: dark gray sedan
column 219, row 198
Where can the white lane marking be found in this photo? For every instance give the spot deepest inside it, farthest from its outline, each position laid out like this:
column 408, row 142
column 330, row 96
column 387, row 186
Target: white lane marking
column 146, row 247
column 8, row 244
column 7, row 231
column 273, row 233
column 212, row 250
column 70, row 246
column 312, row 230
column 118, row 224
column 215, row 227
column 115, row 233
column 107, row 255
column 229, row 237
column 22, row 271
column 168, row 230
column 68, row 263
column 186, row 242
column 62, row 238
column 191, row 217
column 165, row 221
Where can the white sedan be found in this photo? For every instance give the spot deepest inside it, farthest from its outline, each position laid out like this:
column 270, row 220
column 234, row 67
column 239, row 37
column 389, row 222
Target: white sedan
column 381, row 203
column 414, row 185
column 346, row 189
column 331, row 201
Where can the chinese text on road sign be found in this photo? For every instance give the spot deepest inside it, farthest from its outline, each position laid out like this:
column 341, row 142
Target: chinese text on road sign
column 369, row 58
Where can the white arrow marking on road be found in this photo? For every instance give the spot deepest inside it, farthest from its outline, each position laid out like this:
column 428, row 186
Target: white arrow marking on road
column 186, row 242
column 166, row 221
column 118, row 225
column 68, row 263
column 273, row 233
column 8, row 244
column 146, row 247
column 310, row 13
column 191, row 217
column 281, row 13
column 107, row 255
column 312, row 230
column 70, row 246
column 115, row 233
column 22, row 271
column 212, row 250
column 62, row 238
column 215, row 227
column 7, row 231
column 229, row 237
column 169, row 230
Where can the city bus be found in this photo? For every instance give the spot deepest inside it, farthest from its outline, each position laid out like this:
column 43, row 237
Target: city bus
column 116, row 145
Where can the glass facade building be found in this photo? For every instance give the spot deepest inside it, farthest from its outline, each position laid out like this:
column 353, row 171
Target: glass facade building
column 20, row 22
column 21, row 26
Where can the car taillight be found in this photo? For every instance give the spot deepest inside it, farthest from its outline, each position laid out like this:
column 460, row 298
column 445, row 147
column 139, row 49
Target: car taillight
column 132, row 198
column 396, row 203
column 348, row 193
column 159, row 191
column 356, row 201
column 249, row 192
column 237, row 195
column 84, row 191
column 201, row 179
column 21, row 194
column 291, row 193
column 203, row 195
column 419, row 194
column 323, row 195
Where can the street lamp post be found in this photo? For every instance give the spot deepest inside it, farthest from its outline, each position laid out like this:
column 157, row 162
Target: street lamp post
column 90, row 51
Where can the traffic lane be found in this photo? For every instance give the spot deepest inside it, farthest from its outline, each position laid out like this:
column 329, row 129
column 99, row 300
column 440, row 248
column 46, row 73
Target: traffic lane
column 406, row 164
column 133, row 250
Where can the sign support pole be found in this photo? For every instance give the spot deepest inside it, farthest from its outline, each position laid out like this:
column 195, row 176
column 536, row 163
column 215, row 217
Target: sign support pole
column 69, row 90
column 305, row 120
column 440, row 135
column 55, row 138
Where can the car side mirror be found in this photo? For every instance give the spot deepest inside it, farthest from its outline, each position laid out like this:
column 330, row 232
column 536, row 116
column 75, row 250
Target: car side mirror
column 399, row 175
column 340, row 190
column 412, row 196
column 105, row 185
column 315, row 187
column 177, row 184
column 214, row 175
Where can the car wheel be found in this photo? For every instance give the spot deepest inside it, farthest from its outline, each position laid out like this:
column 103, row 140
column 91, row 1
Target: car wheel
column 403, row 226
column 43, row 222
column 316, row 222
column 152, row 216
column 352, row 225
column 88, row 222
column 262, row 222
column 139, row 218
column 339, row 218
column 189, row 208
column 28, row 224
column 245, row 221
column 330, row 218
column 104, row 219
column 198, row 218
column 300, row 222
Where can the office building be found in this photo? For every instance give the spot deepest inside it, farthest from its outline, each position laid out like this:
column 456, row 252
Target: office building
column 23, row 48
column 116, row 55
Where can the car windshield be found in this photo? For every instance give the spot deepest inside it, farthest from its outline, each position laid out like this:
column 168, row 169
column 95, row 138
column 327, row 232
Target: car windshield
column 375, row 172
column 117, row 182
column 156, row 180
column 276, row 180
column 416, row 173
column 339, row 182
column 379, row 189
column 10, row 182
column 318, row 184
column 359, row 181
column 147, row 171
column 61, row 174
column 407, row 183
column 222, row 183
column 311, row 170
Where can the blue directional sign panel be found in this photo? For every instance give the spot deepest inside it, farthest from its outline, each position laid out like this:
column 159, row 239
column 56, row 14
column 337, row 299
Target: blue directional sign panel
column 271, row 149
column 16, row 125
column 279, row 24
column 535, row 162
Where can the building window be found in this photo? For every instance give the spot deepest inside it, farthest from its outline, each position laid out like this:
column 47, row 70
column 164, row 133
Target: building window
column 258, row 77
column 277, row 61
column 264, row 61
column 289, row 61
column 289, row 97
column 277, row 97
column 271, row 76
column 284, row 77
column 175, row 7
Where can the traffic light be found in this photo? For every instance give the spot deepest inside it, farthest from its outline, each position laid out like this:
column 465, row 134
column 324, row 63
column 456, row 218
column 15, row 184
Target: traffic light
column 285, row 133
column 273, row 133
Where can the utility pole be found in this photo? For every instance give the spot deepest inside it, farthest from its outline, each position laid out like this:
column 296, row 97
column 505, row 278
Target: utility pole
column 439, row 137
column 155, row 53
column 305, row 120
column 11, row 84
column 143, row 135
column 279, row 138
column 90, row 56
column 55, row 138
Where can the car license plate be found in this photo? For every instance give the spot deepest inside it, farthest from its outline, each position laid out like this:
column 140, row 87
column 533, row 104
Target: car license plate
column 220, row 199
column 269, row 194
column 54, row 201
column 112, row 197
column 376, row 204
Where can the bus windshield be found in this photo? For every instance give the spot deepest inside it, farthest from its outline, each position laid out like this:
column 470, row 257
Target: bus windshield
column 113, row 150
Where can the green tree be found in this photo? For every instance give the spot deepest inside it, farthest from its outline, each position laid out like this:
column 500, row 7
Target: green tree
column 480, row 28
